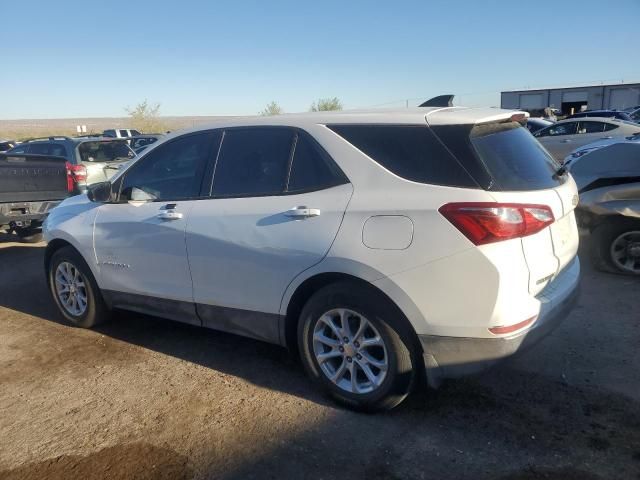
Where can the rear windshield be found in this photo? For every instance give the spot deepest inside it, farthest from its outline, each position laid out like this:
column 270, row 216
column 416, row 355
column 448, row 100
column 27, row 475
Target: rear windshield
column 504, row 156
column 105, row 151
column 514, row 158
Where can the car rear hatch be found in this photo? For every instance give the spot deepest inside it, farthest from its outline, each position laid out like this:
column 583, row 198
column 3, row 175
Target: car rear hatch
column 512, row 166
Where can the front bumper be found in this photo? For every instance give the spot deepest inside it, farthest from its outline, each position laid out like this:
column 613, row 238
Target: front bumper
column 452, row 357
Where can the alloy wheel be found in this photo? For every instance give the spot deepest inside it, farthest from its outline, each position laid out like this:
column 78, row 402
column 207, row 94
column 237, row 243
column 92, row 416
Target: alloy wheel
column 71, row 289
column 350, row 351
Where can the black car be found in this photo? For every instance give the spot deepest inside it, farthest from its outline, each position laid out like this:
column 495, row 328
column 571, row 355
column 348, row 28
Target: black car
column 603, row 114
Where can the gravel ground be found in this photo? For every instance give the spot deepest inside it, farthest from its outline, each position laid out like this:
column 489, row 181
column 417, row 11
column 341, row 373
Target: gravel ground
column 146, row 398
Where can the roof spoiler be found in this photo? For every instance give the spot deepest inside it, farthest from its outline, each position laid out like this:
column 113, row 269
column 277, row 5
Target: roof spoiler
column 439, row 101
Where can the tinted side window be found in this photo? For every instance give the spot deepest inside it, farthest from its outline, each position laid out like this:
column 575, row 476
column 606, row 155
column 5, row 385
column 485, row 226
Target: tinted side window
column 58, row 150
column 172, row 172
column 312, row 169
column 19, row 149
column 42, row 148
column 253, row 161
column 109, row 133
column 412, row 152
column 609, row 126
column 124, row 133
column 569, row 128
column 590, row 127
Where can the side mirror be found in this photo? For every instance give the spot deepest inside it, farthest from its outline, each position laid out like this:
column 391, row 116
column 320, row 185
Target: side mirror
column 99, row 192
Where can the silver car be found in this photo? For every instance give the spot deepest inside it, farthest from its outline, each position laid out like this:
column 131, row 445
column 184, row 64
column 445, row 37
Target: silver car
column 565, row 136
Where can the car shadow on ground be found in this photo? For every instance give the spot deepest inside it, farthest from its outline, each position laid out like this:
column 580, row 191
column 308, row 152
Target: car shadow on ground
column 507, row 424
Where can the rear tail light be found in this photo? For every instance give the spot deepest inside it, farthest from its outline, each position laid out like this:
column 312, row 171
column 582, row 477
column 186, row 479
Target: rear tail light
column 494, row 222
column 75, row 174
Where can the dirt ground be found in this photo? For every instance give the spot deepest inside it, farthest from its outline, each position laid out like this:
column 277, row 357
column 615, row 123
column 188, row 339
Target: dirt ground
column 146, row 398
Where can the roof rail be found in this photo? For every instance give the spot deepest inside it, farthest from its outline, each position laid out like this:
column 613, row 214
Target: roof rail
column 56, row 137
column 439, row 101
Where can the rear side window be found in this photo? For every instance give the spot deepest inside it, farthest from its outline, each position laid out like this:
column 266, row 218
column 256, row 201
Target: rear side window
column 412, row 152
column 514, row 159
column 590, row 127
column 253, row 162
column 568, row 128
column 40, row 148
column 312, row 169
column 609, row 126
column 124, row 133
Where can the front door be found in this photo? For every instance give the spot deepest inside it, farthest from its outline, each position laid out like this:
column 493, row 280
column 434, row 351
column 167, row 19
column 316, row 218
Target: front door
column 140, row 240
column 277, row 203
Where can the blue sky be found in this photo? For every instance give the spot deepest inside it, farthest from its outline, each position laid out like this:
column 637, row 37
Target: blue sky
column 86, row 58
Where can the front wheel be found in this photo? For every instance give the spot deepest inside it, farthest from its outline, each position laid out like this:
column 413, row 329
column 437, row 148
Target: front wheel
column 74, row 289
column 350, row 345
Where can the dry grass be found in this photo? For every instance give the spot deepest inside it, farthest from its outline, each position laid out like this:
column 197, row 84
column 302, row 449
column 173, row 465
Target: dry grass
column 23, row 129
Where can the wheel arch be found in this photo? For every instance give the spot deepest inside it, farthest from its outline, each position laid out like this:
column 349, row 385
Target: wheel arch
column 314, row 283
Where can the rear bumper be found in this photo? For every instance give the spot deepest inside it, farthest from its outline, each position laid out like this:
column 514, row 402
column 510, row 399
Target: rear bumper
column 20, row 213
column 452, row 357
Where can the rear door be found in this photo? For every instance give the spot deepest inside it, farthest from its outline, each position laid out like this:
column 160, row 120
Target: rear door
column 277, row 202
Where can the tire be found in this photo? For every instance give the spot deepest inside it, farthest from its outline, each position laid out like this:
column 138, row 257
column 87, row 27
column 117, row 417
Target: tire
column 606, row 238
column 29, row 235
column 95, row 310
column 353, row 301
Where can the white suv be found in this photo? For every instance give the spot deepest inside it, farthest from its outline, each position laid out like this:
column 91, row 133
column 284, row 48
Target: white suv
column 386, row 247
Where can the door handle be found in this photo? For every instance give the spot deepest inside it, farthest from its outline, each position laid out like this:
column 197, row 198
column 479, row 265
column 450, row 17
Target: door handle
column 302, row 212
column 169, row 215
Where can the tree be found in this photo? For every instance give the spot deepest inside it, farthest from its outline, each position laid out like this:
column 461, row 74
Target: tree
column 271, row 109
column 326, row 104
column 145, row 117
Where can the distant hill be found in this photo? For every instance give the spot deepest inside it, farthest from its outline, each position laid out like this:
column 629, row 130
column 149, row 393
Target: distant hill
column 26, row 128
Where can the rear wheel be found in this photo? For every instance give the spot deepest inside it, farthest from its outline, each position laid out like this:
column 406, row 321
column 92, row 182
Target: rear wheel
column 616, row 246
column 350, row 347
column 74, row 289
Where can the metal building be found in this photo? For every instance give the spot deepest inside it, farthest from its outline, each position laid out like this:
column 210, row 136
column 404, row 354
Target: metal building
column 574, row 99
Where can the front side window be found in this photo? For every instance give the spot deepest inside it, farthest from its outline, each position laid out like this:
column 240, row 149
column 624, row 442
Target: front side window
column 124, row 133
column 174, row 171
column 253, row 162
column 590, row 127
column 109, row 133
column 312, row 168
column 19, row 149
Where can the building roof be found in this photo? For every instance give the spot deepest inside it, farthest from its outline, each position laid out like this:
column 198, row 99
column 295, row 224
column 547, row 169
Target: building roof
column 625, row 84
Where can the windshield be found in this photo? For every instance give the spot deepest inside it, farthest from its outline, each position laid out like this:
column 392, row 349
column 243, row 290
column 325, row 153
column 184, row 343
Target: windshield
column 105, row 151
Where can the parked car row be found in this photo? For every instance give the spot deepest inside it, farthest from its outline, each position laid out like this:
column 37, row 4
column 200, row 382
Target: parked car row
column 565, row 136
